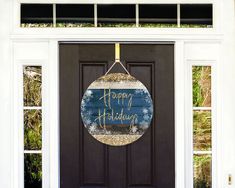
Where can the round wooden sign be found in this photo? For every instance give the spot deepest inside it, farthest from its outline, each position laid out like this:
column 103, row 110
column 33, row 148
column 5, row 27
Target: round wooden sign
column 116, row 109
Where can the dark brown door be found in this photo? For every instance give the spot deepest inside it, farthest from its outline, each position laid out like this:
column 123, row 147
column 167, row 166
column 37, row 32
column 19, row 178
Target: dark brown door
column 148, row 162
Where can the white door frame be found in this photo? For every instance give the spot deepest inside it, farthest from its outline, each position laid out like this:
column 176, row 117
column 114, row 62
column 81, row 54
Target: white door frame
column 51, row 107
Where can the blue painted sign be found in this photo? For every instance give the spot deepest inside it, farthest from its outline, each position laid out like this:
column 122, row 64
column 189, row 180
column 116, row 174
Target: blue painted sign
column 116, row 109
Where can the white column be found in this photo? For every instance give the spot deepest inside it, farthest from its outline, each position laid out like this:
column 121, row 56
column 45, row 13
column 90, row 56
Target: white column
column 6, row 93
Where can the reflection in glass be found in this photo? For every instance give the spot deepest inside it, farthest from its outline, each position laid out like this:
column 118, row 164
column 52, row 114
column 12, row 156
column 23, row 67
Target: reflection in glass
column 36, row 15
column 32, row 170
column 74, row 15
column 32, row 129
column 116, row 15
column 202, row 130
column 196, row 14
column 160, row 15
column 32, row 85
column 202, row 171
column 201, row 86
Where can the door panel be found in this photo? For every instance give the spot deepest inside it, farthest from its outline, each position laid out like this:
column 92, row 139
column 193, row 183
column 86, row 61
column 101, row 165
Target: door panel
column 141, row 157
column 148, row 162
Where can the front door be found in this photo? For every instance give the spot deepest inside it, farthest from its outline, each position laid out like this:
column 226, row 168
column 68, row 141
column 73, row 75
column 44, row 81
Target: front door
column 87, row 163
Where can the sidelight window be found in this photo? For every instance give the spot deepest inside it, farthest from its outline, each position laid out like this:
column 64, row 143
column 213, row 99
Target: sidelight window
column 32, row 116
column 202, row 126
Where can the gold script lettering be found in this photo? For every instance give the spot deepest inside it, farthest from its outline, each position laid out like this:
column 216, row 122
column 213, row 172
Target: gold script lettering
column 118, row 96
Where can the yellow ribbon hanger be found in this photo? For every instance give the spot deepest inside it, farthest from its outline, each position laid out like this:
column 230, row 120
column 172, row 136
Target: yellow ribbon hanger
column 117, row 59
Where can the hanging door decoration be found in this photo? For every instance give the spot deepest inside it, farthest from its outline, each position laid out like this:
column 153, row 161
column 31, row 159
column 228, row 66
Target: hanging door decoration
column 116, row 109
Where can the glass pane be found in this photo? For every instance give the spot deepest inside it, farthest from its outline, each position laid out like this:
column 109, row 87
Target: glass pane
column 202, row 171
column 116, row 15
column 32, row 170
column 74, row 15
column 202, row 130
column 36, row 15
column 32, row 129
column 201, row 86
column 158, row 15
column 32, row 86
column 199, row 15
